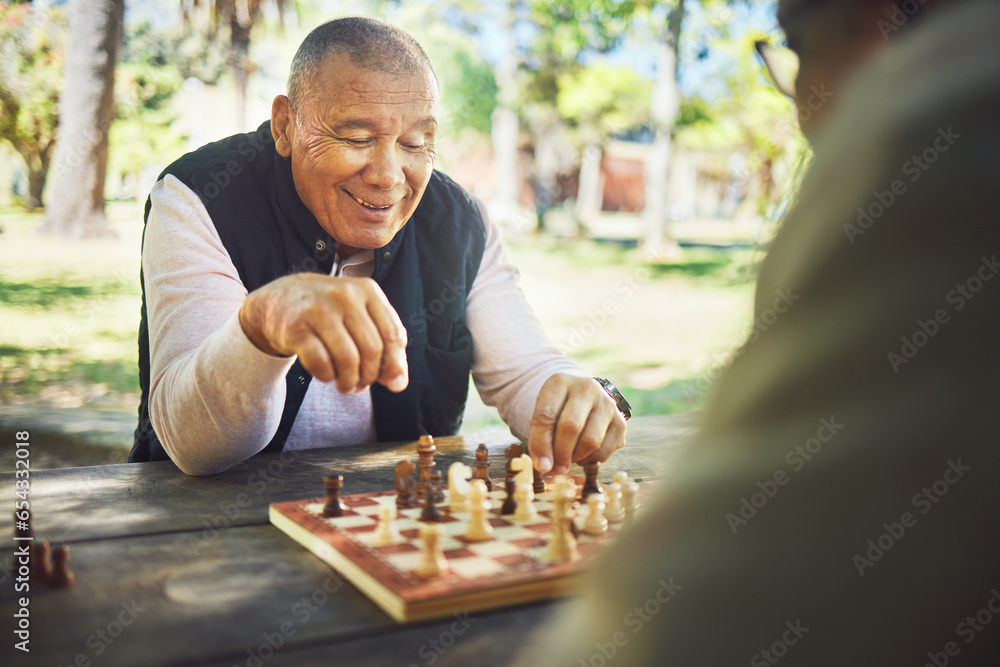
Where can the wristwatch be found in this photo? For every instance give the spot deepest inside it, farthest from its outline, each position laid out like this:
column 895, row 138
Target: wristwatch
column 616, row 395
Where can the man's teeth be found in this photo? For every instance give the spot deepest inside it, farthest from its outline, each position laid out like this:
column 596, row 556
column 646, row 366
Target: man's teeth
column 367, row 205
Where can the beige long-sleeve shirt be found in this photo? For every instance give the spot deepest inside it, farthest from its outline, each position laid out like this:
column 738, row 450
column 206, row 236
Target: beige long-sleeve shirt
column 841, row 505
column 215, row 399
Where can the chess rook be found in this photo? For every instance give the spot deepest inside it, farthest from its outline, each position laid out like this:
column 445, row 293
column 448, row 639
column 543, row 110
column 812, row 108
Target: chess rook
column 334, row 506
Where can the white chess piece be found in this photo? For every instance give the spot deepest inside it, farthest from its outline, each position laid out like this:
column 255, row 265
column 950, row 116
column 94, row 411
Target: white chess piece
column 562, row 544
column 614, row 512
column 432, row 561
column 620, row 478
column 525, row 497
column 479, row 526
column 595, row 523
column 458, row 486
column 523, row 466
column 630, row 498
column 386, row 532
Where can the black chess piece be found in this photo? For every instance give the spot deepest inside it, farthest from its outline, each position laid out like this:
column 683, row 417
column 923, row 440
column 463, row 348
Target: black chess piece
column 436, row 486
column 510, row 503
column 334, row 505
column 430, row 511
column 483, row 466
column 538, row 484
column 590, row 483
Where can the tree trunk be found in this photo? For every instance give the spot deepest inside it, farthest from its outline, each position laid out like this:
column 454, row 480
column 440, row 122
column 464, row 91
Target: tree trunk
column 240, row 53
column 36, row 183
column 658, row 245
column 75, row 206
column 504, row 201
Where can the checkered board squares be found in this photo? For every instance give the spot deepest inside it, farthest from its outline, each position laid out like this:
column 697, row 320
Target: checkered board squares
column 508, row 569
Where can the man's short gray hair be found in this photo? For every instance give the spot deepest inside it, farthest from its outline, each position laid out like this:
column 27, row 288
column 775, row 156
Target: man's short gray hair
column 370, row 44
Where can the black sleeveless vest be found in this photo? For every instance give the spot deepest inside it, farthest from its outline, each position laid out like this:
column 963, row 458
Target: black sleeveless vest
column 426, row 271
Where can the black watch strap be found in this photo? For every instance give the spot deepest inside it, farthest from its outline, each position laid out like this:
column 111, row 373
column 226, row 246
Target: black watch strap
column 616, row 395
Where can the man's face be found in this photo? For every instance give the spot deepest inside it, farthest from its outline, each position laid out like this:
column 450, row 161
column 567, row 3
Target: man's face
column 361, row 144
column 831, row 39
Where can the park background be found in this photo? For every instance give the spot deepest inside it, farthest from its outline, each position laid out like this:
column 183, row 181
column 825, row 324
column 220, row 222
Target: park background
column 634, row 155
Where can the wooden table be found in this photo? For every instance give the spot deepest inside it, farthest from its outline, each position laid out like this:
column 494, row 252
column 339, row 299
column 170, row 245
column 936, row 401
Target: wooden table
column 178, row 570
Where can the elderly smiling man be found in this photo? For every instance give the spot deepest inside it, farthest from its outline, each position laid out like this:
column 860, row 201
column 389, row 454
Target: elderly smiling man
column 325, row 247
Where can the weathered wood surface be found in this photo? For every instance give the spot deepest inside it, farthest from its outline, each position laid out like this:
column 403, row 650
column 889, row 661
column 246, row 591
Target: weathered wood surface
column 80, row 504
column 158, row 584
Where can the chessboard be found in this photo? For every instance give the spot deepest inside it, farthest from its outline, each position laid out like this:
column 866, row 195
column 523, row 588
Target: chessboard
column 511, row 568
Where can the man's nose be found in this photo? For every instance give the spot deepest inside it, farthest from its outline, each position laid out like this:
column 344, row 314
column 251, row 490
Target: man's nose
column 385, row 169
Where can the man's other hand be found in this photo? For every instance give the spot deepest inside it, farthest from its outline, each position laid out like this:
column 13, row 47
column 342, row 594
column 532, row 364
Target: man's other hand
column 342, row 329
column 574, row 420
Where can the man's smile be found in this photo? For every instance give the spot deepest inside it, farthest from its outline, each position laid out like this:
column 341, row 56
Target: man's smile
column 368, row 204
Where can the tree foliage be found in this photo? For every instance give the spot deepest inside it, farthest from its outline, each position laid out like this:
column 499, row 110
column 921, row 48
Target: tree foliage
column 31, row 60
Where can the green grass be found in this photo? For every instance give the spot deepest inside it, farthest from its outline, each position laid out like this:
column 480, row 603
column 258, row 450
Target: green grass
column 69, row 310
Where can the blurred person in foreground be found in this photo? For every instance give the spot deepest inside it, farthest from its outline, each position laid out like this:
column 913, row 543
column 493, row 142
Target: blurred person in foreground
column 841, row 502
column 317, row 283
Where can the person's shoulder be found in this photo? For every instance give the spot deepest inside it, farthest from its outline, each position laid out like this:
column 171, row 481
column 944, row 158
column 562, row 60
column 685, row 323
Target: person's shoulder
column 224, row 159
column 443, row 186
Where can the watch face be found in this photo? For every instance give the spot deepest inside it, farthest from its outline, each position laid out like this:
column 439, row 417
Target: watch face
column 619, row 400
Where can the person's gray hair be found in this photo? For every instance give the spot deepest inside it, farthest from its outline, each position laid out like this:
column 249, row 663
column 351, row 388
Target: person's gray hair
column 370, row 44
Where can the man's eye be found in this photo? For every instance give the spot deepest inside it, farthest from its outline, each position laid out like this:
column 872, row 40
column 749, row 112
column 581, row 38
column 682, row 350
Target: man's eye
column 358, row 142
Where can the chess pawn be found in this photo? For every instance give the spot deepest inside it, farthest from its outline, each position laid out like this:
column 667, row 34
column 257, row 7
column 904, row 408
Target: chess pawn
column 386, row 532
column 510, row 502
column 539, row 484
column 458, row 486
column 479, row 526
column 595, row 523
column 562, row 544
column 436, row 486
column 620, row 478
column 525, row 495
column 630, row 498
column 430, row 511
column 615, row 511
column 432, row 563
column 483, row 465
column 590, row 483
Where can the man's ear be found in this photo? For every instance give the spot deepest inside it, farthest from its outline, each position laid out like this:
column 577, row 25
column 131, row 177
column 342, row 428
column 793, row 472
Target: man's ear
column 282, row 125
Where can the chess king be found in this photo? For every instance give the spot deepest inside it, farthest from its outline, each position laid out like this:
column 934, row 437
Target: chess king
column 316, row 282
